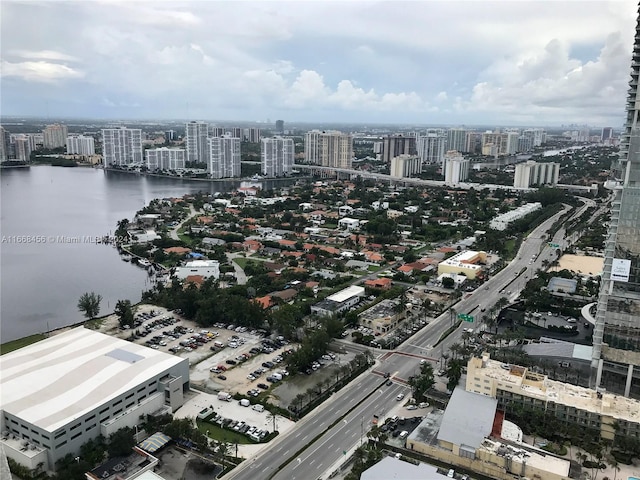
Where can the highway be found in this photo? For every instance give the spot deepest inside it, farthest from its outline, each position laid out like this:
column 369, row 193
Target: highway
column 324, row 434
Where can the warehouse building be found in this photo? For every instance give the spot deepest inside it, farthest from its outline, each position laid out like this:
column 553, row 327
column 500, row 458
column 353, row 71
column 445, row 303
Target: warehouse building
column 57, row 394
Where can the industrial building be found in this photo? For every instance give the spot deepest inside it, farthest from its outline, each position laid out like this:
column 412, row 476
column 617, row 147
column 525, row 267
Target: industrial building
column 57, row 394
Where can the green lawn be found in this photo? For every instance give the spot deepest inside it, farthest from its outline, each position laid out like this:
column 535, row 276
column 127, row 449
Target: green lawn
column 21, row 342
column 220, row 434
column 241, row 261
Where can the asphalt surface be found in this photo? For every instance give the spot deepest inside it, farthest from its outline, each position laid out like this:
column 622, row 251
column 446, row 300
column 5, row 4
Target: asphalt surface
column 325, row 434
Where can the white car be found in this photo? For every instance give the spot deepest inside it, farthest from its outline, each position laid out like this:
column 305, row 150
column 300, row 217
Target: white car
column 400, row 396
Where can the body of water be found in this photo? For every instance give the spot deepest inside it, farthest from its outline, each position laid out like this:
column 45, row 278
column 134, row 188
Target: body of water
column 45, row 208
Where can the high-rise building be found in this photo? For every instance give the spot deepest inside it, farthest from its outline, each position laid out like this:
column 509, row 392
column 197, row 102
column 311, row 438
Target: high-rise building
column 456, row 139
column 81, row 145
column 532, row 173
column 328, row 148
column 4, row 144
column 252, row 135
column 224, row 156
column 496, row 143
column 280, row 126
column 122, row 146
column 607, row 133
column 431, row 146
column 216, row 131
column 197, row 134
column 396, row 145
column 276, row 154
column 165, row 158
column 22, row 147
column 236, row 132
column 616, row 335
column 170, row 136
column 55, row 136
column 472, row 142
column 456, row 168
column 405, row 166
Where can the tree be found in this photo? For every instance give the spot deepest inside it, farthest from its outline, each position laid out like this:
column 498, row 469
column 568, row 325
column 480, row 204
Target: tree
column 448, row 282
column 453, row 373
column 121, row 442
column 125, row 312
column 89, row 304
column 422, row 382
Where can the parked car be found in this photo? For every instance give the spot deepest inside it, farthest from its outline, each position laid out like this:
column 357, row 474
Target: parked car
column 222, row 377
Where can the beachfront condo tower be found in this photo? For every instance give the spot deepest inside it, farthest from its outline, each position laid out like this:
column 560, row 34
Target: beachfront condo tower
column 616, row 338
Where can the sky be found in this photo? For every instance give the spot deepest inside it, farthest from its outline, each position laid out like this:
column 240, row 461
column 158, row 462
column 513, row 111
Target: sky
column 448, row 62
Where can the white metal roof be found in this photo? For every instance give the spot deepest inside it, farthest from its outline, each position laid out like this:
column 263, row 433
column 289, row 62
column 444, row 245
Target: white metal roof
column 52, row 382
column 346, row 294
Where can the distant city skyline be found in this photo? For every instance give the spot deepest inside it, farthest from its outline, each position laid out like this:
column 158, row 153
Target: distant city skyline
column 520, row 63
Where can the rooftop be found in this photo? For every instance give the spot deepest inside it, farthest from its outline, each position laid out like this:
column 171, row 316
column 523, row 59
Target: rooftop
column 462, row 425
column 346, row 294
column 609, row 404
column 390, row 468
column 65, row 376
column 385, row 308
column 532, row 457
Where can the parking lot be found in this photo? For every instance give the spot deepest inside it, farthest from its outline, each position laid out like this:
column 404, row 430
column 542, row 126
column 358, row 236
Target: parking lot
column 234, row 411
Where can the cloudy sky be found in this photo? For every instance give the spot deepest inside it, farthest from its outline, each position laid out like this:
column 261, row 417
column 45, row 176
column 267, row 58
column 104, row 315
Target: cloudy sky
column 542, row 62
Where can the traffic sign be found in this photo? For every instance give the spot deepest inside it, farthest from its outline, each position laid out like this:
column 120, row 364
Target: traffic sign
column 465, row 317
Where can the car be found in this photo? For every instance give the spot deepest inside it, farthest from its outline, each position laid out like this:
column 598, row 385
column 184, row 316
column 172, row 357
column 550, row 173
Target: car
column 222, row 377
column 412, row 407
column 400, row 397
column 423, row 405
column 389, row 383
column 230, row 362
column 263, row 386
column 251, row 377
column 451, row 473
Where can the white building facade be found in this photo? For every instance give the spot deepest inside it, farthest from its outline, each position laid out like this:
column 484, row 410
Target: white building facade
column 197, row 134
column 405, row 166
column 431, row 146
column 224, row 156
column 203, row 268
column 59, row 393
column 456, row 168
column 533, row 173
column 276, row 156
column 501, row 222
column 165, row 158
column 122, row 146
column 81, row 145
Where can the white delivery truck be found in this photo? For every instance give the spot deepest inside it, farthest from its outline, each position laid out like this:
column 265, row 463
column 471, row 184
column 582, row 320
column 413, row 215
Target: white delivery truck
column 224, row 396
column 244, row 402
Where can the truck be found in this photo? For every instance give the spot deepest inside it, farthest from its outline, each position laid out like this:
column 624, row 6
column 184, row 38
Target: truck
column 244, row 402
column 277, row 376
column 224, row 396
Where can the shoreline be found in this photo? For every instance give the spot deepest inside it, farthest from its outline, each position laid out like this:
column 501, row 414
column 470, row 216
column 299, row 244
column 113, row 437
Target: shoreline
column 208, row 180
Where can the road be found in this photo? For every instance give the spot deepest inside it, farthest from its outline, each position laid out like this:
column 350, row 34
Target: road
column 323, row 452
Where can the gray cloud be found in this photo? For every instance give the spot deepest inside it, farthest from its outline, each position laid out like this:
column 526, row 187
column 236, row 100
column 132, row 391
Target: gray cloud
column 428, row 62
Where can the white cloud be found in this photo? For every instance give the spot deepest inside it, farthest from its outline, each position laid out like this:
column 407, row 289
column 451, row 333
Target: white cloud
column 441, row 96
column 39, row 71
column 44, row 55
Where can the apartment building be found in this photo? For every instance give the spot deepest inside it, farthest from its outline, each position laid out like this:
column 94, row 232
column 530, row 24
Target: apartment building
column 395, row 145
column 55, row 136
column 616, row 336
column 328, row 148
column 165, row 158
column 431, row 146
column 276, row 156
column 456, row 168
column 532, row 173
column 81, row 145
column 224, row 156
column 122, row 146
column 405, row 166
column 197, row 134
column 607, row 413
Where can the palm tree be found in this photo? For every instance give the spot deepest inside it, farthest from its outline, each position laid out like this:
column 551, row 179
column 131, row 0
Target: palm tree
column 272, row 416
